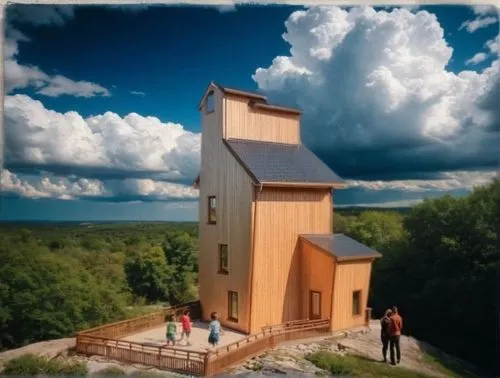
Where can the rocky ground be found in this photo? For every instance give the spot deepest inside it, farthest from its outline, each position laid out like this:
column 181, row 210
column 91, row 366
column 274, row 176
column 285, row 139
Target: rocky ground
column 289, row 359
column 286, row 359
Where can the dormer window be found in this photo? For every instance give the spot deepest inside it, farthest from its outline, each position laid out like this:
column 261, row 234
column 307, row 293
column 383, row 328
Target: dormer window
column 210, row 103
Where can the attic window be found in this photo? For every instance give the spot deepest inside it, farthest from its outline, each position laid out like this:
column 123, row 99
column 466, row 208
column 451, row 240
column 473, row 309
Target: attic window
column 210, row 103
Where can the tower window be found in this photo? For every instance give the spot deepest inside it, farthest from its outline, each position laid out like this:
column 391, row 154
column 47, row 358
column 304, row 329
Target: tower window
column 210, row 103
column 212, row 207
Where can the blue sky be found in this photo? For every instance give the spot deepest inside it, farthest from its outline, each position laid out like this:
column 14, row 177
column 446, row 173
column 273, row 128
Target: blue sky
column 101, row 119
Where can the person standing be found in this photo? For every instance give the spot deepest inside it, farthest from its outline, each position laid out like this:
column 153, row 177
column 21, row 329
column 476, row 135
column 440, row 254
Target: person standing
column 186, row 326
column 395, row 334
column 171, row 330
column 215, row 330
column 385, row 332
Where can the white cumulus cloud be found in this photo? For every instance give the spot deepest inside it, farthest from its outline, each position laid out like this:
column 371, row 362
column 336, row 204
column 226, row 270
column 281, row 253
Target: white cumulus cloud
column 44, row 187
column 485, row 9
column 20, row 76
column 41, row 137
column 486, row 15
column 494, row 45
column 65, row 188
column 481, row 22
column 476, row 59
column 371, row 80
column 448, row 181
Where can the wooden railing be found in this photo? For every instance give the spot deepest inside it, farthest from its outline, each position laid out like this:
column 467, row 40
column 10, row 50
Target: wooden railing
column 105, row 341
column 232, row 354
column 161, row 357
column 142, row 323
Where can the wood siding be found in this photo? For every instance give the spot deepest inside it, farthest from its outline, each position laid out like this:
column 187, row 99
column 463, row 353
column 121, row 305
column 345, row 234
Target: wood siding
column 349, row 277
column 317, row 273
column 222, row 176
column 281, row 215
column 245, row 122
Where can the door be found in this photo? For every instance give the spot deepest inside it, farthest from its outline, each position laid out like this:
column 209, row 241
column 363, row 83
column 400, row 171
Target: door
column 314, row 305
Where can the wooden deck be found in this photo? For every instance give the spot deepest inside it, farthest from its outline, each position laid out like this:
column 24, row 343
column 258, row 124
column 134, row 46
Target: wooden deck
column 198, row 338
column 139, row 341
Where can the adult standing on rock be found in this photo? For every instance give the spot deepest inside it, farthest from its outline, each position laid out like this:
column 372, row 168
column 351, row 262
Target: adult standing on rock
column 396, row 327
column 385, row 332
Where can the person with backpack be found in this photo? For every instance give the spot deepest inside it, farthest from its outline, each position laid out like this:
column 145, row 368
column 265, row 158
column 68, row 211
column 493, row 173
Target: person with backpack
column 396, row 327
column 385, row 332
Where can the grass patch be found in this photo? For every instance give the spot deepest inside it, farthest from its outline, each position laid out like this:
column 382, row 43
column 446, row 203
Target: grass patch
column 31, row 364
column 447, row 366
column 359, row 366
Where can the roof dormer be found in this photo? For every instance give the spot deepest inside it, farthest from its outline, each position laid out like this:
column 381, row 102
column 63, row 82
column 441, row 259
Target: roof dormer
column 248, row 115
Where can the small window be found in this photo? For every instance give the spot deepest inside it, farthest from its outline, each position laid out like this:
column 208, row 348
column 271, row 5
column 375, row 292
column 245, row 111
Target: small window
column 210, row 103
column 315, row 305
column 356, row 303
column 233, row 306
column 212, row 206
column 223, row 259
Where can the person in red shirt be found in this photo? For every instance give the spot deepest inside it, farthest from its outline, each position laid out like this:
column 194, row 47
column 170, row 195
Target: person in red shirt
column 395, row 333
column 186, row 326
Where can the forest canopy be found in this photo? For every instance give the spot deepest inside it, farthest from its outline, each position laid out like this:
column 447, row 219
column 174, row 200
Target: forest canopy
column 440, row 266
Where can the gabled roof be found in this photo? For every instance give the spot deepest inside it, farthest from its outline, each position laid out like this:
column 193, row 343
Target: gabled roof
column 257, row 100
column 238, row 92
column 342, row 247
column 242, row 92
column 271, row 163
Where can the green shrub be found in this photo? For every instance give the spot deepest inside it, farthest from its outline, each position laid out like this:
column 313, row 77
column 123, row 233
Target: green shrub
column 30, row 364
column 333, row 363
column 27, row 364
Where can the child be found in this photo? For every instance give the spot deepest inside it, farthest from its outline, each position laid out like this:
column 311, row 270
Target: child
column 215, row 330
column 186, row 326
column 171, row 330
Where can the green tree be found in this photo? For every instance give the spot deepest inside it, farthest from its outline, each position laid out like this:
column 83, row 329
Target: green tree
column 148, row 274
column 375, row 229
column 441, row 272
column 181, row 252
column 49, row 296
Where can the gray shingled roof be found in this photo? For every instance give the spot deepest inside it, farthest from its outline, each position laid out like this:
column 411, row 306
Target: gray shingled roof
column 280, row 162
column 342, row 246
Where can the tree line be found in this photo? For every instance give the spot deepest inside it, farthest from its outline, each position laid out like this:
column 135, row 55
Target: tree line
column 55, row 280
column 440, row 266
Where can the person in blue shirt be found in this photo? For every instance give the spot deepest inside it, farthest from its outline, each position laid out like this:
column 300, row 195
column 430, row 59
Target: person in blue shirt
column 215, row 330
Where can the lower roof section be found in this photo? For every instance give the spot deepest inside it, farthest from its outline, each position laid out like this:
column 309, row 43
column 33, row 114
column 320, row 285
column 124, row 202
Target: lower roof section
column 342, row 247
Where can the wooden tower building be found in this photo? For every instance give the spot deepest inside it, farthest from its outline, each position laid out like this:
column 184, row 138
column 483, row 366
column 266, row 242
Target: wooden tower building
column 267, row 253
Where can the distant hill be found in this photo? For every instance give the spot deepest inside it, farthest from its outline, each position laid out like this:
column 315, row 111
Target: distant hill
column 356, row 210
column 352, row 210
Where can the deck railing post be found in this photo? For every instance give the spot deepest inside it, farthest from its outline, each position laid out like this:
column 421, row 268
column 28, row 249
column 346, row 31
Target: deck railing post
column 206, row 361
column 368, row 316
